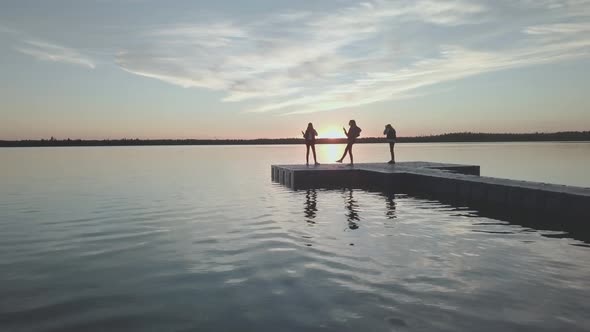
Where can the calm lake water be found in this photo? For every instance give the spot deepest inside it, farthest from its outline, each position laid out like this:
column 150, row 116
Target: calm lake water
column 199, row 239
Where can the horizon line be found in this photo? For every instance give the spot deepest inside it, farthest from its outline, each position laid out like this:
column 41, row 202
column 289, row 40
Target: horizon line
column 464, row 133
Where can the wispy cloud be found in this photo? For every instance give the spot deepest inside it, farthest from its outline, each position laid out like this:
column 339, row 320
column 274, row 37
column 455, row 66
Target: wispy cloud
column 301, row 62
column 55, row 53
column 4, row 29
column 558, row 28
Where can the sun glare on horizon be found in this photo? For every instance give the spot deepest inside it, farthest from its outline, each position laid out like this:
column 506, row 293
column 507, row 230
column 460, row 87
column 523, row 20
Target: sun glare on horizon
column 331, row 132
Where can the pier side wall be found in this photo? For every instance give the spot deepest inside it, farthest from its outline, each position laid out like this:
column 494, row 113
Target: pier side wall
column 459, row 185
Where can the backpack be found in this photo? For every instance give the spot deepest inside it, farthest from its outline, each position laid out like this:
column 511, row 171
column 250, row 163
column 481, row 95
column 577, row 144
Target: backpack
column 390, row 133
column 357, row 132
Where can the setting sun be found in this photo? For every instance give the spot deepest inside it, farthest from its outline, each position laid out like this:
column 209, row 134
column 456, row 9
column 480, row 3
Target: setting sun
column 331, row 132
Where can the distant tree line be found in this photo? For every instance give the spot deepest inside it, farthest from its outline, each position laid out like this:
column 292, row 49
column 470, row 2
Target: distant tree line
column 503, row 137
column 566, row 136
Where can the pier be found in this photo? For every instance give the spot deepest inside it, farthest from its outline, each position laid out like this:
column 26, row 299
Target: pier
column 557, row 205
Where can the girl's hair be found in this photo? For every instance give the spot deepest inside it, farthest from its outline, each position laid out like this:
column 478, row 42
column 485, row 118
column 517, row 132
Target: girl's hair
column 352, row 123
column 389, row 126
column 310, row 125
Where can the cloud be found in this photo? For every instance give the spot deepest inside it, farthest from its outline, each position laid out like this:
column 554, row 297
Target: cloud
column 5, row 29
column 55, row 53
column 559, row 28
column 455, row 63
column 303, row 62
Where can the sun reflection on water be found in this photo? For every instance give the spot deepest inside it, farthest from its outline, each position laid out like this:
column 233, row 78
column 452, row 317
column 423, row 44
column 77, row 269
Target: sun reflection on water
column 329, row 152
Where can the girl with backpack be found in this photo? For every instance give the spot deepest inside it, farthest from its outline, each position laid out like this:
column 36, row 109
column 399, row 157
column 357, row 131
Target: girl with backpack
column 352, row 134
column 391, row 136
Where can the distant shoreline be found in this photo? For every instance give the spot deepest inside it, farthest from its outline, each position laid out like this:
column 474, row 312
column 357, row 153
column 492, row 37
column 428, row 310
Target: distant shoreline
column 569, row 136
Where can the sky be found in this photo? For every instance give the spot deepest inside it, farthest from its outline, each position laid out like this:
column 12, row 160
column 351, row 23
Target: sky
column 95, row 69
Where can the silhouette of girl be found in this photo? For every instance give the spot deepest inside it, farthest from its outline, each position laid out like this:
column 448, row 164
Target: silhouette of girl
column 390, row 135
column 309, row 136
column 352, row 133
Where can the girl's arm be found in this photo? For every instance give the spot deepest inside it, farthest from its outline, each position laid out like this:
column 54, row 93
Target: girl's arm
column 315, row 132
column 345, row 133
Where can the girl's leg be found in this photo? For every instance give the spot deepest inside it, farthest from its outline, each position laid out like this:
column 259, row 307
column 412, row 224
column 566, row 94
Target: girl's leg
column 391, row 151
column 307, row 154
column 350, row 153
column 345, row 152
column 315, row 159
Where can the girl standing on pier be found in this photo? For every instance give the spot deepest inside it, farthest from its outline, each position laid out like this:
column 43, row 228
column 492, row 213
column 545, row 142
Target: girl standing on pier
column 352, row 133
column 390, row 135
column 309, row 135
